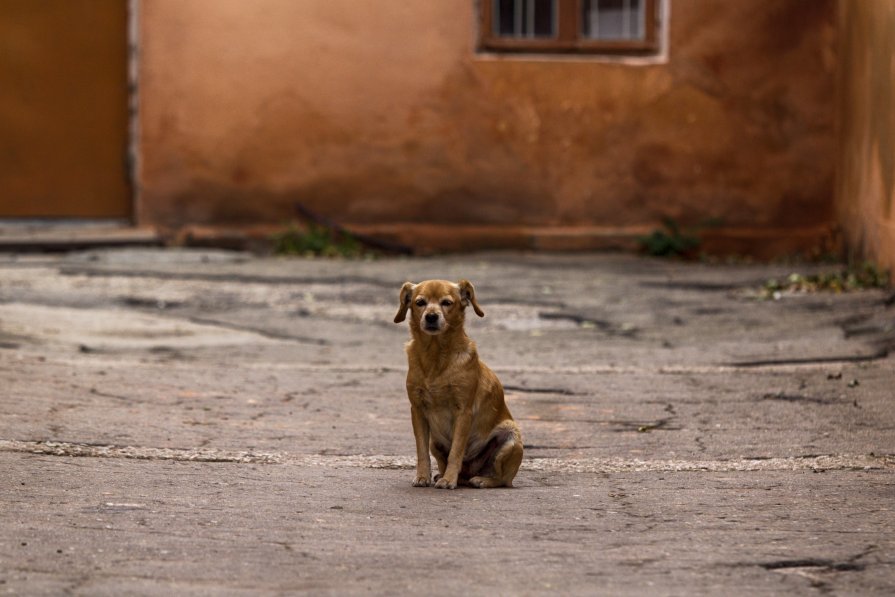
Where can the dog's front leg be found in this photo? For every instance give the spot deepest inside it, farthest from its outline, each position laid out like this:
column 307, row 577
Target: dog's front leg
column 421, row 434
column 462, row 425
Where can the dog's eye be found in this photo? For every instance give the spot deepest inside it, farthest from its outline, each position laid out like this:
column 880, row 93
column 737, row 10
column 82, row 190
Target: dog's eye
column 447, row 303
column 420, row 302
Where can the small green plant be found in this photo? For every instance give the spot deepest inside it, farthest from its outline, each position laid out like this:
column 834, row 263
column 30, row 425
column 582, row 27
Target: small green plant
column 854, row 277
column 669, row 241
column 315, row 240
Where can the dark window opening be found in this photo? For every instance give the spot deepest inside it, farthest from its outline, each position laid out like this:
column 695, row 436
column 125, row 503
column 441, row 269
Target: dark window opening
column 570, row 26
column 524, row 18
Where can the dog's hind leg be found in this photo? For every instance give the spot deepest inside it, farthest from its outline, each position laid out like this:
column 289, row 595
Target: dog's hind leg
column 506, row 464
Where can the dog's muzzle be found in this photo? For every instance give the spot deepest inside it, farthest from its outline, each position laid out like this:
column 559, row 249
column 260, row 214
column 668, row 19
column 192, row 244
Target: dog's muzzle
column 431, row 322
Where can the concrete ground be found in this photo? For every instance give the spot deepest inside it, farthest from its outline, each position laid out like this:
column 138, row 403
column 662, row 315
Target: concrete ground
column 179, row 422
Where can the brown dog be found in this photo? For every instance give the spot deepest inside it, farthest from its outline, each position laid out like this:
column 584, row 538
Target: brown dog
column 456, row 401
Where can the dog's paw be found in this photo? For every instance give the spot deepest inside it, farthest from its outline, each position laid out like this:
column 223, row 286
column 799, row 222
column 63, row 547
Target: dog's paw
column 421, row 481
column 444, row 483
column 484, row 482
column 477, row 482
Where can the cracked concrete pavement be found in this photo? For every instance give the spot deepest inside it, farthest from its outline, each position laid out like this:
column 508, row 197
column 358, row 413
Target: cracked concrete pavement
column 202, row 422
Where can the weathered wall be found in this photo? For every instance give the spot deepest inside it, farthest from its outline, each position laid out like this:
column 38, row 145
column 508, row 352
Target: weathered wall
column 865, row 187
column 377, row 113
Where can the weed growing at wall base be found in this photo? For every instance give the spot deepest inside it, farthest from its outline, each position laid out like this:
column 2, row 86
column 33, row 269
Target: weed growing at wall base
column 670, row 241
column 314, row 241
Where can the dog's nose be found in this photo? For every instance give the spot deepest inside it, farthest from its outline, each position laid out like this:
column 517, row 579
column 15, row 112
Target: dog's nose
column 431, row 317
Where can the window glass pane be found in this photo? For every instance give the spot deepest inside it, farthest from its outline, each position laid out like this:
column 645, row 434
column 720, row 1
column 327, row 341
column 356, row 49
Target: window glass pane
column 504, row 23
column 524, row 18
column 543, row 18
column 613, row 19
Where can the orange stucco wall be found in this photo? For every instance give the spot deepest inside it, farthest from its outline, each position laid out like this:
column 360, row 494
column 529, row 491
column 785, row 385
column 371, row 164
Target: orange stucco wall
column 382, row 113
column 865, row 189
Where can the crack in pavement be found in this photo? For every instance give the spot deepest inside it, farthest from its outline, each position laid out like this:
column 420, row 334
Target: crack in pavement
column 607, row 327
column 226, row 277
column 700, row 286
column 817, row 569
column 859, row 358
column 826, row 462
column 256, row 330
column 528, row 390
column 784, row 397
column 822, row 563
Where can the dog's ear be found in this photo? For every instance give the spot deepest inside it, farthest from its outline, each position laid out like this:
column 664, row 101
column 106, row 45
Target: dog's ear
column 404, row 301
column 467, row 295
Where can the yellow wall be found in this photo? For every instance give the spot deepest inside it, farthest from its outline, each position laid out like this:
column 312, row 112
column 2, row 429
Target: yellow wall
column 381, row 113
column 865, row 189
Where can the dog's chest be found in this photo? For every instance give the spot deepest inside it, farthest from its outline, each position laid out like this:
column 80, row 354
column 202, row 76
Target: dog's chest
column 440, row 406
column 434, row 395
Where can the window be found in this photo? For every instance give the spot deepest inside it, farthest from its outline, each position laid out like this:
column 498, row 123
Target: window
column 576, row 26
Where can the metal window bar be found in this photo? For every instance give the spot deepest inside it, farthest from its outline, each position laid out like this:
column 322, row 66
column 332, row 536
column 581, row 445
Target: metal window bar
column 530, row 18
column 641, row 22
column 554, row 17
column 626, row 19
